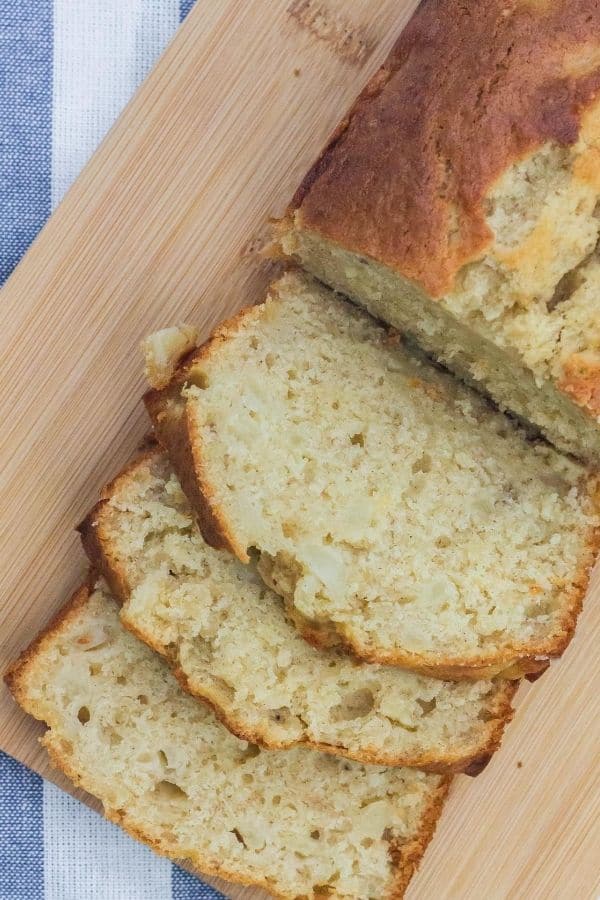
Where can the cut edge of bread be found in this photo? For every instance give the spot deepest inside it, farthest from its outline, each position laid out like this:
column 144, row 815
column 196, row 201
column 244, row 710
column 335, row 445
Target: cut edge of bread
column 96, row 544
column 167, row 410
column 405, row 857
column 174, row 422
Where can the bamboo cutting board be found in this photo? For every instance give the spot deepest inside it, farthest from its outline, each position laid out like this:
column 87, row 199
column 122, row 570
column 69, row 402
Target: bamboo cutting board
column 164, row 225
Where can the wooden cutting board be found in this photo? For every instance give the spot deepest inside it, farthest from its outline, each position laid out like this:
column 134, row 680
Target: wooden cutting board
column 164, row 224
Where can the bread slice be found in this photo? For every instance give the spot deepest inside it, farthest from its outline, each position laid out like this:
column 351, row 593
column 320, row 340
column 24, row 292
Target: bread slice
column 392, row 508
column 458, row 200
column 300, row 824
column 231, row 644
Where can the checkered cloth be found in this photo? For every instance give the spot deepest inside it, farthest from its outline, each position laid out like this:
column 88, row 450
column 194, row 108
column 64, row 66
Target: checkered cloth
column 67, row 67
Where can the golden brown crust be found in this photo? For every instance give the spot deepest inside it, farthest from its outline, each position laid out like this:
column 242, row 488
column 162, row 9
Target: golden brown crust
column 15, row 673
column 95, row 535
column 580, row 380
column 92, row 528
column 468, row 90
column 405, row 856
column 90, row 531
column 169, row 414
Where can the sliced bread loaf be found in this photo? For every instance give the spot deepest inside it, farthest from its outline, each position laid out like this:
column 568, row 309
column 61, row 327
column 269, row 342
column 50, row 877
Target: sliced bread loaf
column 392, row 508
column 458, row 200
column 298, row 823
column 231, row 644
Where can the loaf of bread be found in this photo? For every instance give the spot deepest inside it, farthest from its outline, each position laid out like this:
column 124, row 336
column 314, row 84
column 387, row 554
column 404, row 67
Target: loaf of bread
column 395, row 511
column 230, row 643
column 298, row 823
column 458, row 201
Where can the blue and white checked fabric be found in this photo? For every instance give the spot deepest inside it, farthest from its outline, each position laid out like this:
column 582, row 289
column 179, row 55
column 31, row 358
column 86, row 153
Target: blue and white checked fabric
column 67, row 68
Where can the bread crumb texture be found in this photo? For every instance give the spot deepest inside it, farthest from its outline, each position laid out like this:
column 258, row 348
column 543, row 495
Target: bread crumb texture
column 233, row 644
column 388, row 503
column 299, row 823
column 483, row 209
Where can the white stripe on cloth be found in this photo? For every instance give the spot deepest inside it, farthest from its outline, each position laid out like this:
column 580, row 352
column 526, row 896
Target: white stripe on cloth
column 87, row 858
column 102, row 52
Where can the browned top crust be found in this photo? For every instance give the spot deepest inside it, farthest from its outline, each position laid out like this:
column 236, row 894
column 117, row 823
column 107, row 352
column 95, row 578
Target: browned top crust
column 469, row 89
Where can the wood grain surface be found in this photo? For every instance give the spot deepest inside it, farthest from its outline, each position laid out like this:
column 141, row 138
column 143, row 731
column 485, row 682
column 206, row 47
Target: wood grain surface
column 164, row 224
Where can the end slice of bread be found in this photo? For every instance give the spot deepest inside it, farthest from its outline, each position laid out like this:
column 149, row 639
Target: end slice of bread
column 299, row 824
column 231, row 644
column 392, row 507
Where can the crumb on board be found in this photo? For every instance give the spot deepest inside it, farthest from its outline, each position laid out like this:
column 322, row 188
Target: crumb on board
column 164, row 349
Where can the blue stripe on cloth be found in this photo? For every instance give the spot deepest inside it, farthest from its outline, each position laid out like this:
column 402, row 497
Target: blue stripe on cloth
column 184, row 8
column 185, row 887
column 21, row 829
column 25, row 125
